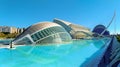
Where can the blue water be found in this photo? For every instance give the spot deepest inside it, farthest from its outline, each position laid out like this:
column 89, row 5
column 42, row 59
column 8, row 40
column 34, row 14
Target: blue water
column 63, row 55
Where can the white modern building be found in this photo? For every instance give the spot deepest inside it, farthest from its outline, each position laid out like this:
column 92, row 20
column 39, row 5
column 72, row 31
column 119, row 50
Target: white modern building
column 76, row 31
column 58, row 31
column 43, row 32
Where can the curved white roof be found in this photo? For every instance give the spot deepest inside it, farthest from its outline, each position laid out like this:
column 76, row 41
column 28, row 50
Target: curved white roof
column 35, row 27
column 65, row 22
column 45, row 23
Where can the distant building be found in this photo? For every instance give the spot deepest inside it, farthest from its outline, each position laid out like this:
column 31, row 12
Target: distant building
column 4, row 29
column 13, row 30
column 64, row 24
column 0, row 28
column 76, row 31
column 58, row 31
column 20, row 30
column 99, row 30
column 10, row 29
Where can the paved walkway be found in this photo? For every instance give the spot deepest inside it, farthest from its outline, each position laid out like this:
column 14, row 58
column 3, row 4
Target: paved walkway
column 4, row 46
column 115, row 57
column 96, row 58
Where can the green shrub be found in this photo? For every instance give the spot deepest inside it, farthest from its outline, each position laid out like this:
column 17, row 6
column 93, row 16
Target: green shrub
column 118, row 37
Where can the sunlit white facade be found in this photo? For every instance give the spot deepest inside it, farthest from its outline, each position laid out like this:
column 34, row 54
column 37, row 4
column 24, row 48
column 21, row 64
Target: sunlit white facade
column 58, row 31
column 43, row 32
column 76, row 31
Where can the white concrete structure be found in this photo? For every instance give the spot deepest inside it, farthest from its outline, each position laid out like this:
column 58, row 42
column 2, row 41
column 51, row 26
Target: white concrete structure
column 76, row 31
column 43, row 32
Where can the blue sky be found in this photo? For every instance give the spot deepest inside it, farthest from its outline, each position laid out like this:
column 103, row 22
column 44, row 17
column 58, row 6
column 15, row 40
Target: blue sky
column 89, row 13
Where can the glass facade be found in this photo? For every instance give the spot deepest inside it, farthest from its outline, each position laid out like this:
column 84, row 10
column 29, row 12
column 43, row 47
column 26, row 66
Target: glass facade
column 63, row 24
column 47, row 35
column 56, row 38
column 36, row 35
column 25, row 40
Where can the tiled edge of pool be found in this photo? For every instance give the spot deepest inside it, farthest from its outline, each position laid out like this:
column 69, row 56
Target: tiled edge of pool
column 105, row 49
column 94, row 62
column 104, row 62
column 4, row 46
column 112, row 55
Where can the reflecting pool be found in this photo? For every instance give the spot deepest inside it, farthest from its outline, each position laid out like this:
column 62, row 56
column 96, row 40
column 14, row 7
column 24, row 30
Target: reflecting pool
column 52, row 55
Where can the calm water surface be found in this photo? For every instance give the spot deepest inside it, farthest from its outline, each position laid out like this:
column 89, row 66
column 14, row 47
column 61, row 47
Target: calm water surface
column 52, row 55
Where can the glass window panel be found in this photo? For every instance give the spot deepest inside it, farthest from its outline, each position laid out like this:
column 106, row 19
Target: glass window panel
column 24, row 41
column 49, row 31
column 38, row 35
column 53, row 30
column 41, row 34
column 46, row 32
column 34, row 37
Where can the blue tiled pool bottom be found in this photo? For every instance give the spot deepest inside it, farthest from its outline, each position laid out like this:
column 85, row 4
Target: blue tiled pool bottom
column 63, row 55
